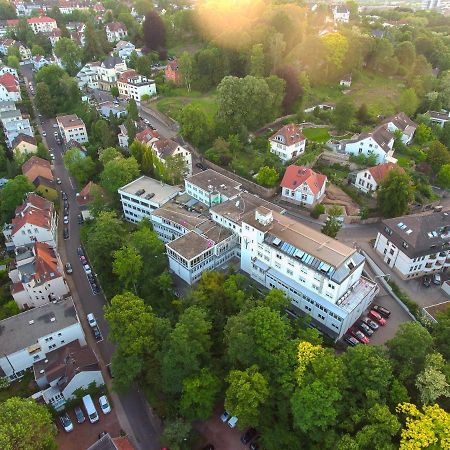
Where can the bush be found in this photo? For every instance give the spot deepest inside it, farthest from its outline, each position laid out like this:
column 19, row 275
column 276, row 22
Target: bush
column 317, row 211
column 413, row 307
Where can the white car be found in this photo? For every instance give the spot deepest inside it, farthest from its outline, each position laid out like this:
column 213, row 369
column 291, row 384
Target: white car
column 66, row 220
column 52, row 156
column 104, row 404
column 87, row 269
column 91, row 319
column 58, row 180
column 232, row 422
column 44, row 133
column 66, row 423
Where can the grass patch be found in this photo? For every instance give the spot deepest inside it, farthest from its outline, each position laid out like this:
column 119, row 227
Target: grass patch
column 173, row 104
column 316, row 134
column 309, row 156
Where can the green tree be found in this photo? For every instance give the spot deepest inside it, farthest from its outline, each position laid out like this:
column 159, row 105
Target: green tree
column 109, row 154
column 267, row 176
column 406, row 53
column 443, row 177
column 437, row 156
column 7, row 10
column 127, row 265
column 395, row 194
column 13, row 61
column 408, row 350
column 25, row 424
column 130, row 125
column 195, row 126
column 423, row 134
column 117, row 173
column 185, row 65
column 147, row 166
column 199, row 395
column 343, row 114
column 102, row 133
column 332, row 224
column 246, row 394
column 114, row 91
column 12, row 195
column 363, row 114
column 445, row 134
column 257, row 61
column 37, row 50
column 277, row 48
column 69, row 53
column 336, row 47
column 431, row 382
column 409, row 101
column 175, row 433
column 80, row 167
column 132, row 109
column 175, row 169
column 44, row 101
column 441, row 333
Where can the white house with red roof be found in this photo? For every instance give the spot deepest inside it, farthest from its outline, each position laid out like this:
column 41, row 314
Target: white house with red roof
column 37, row 276
column 9, row 88
column 42, row 24
column 301, row 185
column 147, row 136
column 368, row 180
column 288, row 142
column 133, row 85
column 115, row 31
column 34, row 221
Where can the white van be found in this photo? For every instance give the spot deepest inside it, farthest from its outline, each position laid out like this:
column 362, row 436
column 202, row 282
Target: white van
column 90, row 409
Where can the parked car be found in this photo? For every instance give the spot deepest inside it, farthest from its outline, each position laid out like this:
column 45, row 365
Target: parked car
column 108, row 366
column 68, row 268
column 225, row 416
column 79, row 414
column 83, row 259
column 66, row 233
column 371, row 323
column 248, row 436
column 437, row 278
column 381, row 310
column 63, row 195
column 365, row 328
column 80, row 219
column 91, row 319
column 66, row 422
column 66, row 220
column 52, row 156
column 360, row 336
column 55, row 125
column 351, row 340
column 255, row 444
column 426, row 281
column 58, row 180
column 200, row 166
column 96, row 333
column 104, row 404
column 44, row 133
column 232, row 422
column 377, row 317
column 87, row 269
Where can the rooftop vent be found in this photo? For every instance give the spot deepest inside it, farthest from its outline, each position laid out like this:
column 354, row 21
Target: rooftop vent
column 139, row 192
column 149, row 196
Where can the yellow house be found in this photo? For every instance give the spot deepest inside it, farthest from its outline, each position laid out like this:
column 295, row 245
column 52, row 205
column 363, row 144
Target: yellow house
column 24, row 145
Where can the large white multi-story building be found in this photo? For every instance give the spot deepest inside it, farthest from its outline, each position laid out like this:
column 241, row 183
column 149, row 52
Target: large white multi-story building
column 27, row 337
column 143, row 195
column 288, row 142
column 115, row 31
column 415, row 245
column 87, row 77
column 72, row 128
column 133, row 85
column 42, row 24
column 108, row 72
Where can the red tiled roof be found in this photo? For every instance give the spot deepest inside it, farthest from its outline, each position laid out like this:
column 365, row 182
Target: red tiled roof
column 290, row 133
column 43, row 19
column 123, row 443
column 35, row 167
column 17, row 287
column 37, row 217
column 12, row 22
column 86, row 194
column 295, row 176
column 146, row 135
column 36, row 201
column 46, row 263
column 116, row 26
column 379, row 172
column 173, row 65
column 124, row 76
column 9, row 81
column 35, row 161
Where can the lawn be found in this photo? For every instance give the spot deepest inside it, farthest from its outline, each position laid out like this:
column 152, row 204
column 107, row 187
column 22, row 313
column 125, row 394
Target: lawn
column 316, row 134
column 172, row 105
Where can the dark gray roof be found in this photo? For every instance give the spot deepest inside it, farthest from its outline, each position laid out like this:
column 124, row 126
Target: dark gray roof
column 105, row 443
column 16, row 332
column 111, row 62
column 423, row 234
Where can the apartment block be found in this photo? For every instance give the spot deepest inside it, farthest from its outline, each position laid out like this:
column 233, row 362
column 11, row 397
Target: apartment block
column 72, row 127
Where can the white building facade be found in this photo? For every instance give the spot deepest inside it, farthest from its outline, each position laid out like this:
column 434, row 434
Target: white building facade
column 71, row 128
column 288, row 142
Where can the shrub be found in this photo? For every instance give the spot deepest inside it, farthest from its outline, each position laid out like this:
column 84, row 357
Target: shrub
column 413, row 307
column 317, row 211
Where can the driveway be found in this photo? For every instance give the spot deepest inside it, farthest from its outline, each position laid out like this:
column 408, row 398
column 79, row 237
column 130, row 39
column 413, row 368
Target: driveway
column 132, row 409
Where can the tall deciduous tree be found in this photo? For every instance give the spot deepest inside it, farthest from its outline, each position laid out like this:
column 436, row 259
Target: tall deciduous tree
column 257, row 61
column 127, row 265
column 12, row 195
column 69, row 53
column 195, row 125
column 132, row 109
column 395, row 194
column 117, row 173
column 185, row 65
column 293, row 89
column 431, row 382
column 80, row 167
column 409, row 101
column 267, row 176
column 333, row 223
column 343, row 114
column 44, row 101
column 25, row 424
column 154, row 32
column 437, row 156
column 336, row 47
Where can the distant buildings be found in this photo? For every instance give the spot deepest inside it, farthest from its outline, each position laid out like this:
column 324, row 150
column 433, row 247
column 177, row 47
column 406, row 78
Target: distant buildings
column 9, row 88
column 115, row 31
column 172, row 72
column 438, row 117
column 341, row 13
column 39, row 172
column 288, row 142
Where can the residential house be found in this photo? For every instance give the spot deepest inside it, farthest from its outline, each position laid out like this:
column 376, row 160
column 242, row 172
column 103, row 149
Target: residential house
column 172, row 72
column 42, row 24
column 9, row 88
column 368, row 180
column 46, row 187
column 288, row 142
column 13, row 129
column 87, row 77
column 379, row 142
column 69, row 6
column 303, row 186
column 28, row 337
column 24, row 145
column 108, row 108
column 71, row 127
column 115, row 31
column 6, row 69
column 124, row 49
column 7, row 106
column 40, row 61
column 417, row 244
column 122, row 136
column 147, row 136
column 109, row 71
column 88, row 194
column 25, row 52
column 341, row 13
column 5, row 43
column 133, row 85
column 403, row 124
column 37, row 275
column 439, row 117
column 165, row 148
column 64, row 370
column 34, row 221
column 346, row 81
column 99, row 8
column 110, row 443
column 3, row 28
column 7, row 117
column 27, row 8
column 54, row 36
column 83, row 150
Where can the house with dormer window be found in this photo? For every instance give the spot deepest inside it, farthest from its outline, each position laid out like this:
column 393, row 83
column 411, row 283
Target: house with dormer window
column 288, row 142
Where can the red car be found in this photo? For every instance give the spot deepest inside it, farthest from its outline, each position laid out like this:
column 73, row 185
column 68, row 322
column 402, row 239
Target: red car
column 377, row 317
column 360, row 336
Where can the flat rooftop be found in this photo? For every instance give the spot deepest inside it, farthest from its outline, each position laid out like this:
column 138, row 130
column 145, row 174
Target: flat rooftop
column 144, row 187
column 209, row 180
column 179, row 214
column 235, row 209
column 300, row 236
column 17, row 333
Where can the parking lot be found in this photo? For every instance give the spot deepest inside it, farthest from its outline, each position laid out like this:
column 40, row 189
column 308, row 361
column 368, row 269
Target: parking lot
column 86, row 433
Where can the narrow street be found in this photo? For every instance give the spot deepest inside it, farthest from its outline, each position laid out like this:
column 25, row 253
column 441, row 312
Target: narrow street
column 132, row 409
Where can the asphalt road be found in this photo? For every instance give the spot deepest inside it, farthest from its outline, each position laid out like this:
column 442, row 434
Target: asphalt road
column 133, row 404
